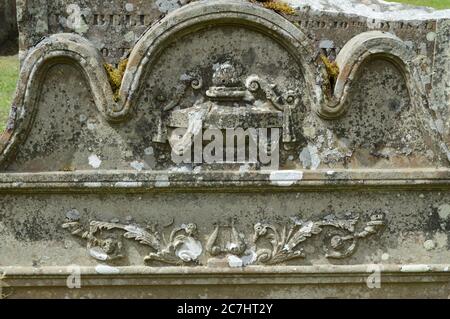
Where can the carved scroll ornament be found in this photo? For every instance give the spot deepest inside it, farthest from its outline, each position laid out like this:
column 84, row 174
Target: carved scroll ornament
column 270, row 243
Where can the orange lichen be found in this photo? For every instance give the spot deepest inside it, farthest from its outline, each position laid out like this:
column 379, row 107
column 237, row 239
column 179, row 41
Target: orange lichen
column 68, row 168
column 279, row 6
column 276, row 5
column 115, row 76
column 332, row 70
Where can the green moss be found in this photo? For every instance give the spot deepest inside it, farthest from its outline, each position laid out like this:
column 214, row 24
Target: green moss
column 115, row 76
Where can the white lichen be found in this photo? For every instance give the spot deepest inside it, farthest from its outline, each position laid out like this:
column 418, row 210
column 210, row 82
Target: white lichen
column 310, row 158
column 149, row 151
column 94, row 161
column 415, row 268
column 444, row 211
column 285, row 178
column 129, row 7
column 107, row 270
column 429, row 245
column 128, row 184
column 162, row 181
column 138, row 166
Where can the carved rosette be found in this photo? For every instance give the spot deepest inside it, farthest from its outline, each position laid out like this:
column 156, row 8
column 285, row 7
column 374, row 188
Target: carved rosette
column 270, row 243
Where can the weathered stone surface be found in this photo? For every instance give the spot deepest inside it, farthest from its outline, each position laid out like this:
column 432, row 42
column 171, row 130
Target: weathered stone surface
column 89, row 176
column 8, row 24
column 113, row 27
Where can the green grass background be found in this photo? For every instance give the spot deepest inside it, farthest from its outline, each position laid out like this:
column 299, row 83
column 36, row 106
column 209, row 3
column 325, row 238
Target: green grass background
column 9, row 70
column 438, row 4
column 9, row 66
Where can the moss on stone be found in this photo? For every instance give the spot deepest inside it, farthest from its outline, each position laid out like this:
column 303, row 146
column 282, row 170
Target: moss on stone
column 115, row 76
column 277, row 6
column 332, row 70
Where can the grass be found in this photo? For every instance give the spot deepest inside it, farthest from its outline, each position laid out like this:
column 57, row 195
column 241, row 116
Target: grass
column 438, row 4
column 9, row 71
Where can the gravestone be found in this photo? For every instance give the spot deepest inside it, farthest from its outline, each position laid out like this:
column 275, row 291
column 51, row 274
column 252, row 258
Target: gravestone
column 217, row 148
column 8, row 26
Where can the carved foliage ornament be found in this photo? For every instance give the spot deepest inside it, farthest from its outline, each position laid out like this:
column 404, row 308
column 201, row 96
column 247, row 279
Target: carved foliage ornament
column 180, row 248
column 270, row 243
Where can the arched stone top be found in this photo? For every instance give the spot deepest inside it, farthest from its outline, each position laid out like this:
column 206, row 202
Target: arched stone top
column 386, row 46
column 365, row 46
column 74, row 49
column 201, row 14
column 61, row 48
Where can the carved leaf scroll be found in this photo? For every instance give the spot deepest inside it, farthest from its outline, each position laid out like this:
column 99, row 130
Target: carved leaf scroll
column 271, row 243
column 285, row 245
column 180, row 249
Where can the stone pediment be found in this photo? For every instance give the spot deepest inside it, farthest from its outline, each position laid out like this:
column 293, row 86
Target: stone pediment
column 356, row 171
column 341, row 121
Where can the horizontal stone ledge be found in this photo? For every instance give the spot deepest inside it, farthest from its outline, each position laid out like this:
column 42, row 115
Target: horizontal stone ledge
column 252, row 275
column 113, row 180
